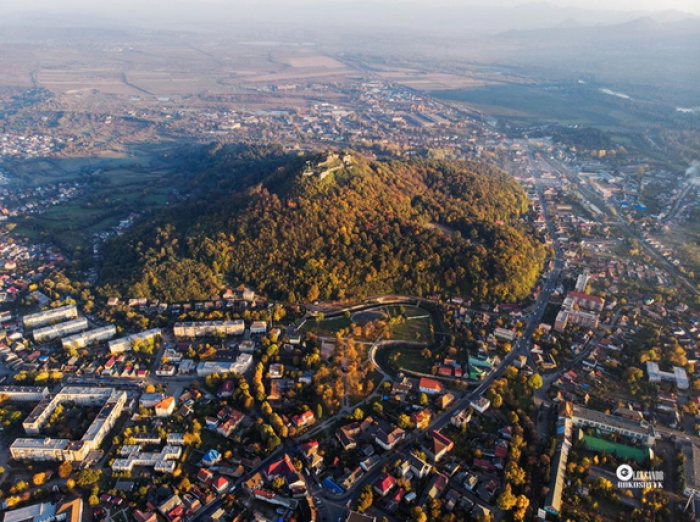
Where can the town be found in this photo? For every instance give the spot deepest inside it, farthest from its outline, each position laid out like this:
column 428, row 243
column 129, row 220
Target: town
column 245, row 407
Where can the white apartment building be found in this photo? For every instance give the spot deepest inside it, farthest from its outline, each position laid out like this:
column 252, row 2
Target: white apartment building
column 84, row 339
column 48, row 333
column 53, row 315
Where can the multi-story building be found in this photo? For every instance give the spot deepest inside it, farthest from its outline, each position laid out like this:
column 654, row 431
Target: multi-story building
column 112, row 402
column 579, row 309
column 678, row 375
column 240, row 365
column 163, row 461
column 638, row 430
column 62, row 313
column 84, row 339
column 207, row 328
column 125, row 344
column 258, row 327
column 575, row 317
column 48, row 333
column 24, row 393
column 585, row 301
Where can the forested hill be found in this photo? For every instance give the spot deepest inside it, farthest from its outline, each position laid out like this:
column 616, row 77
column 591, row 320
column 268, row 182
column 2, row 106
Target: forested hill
column 307, row 227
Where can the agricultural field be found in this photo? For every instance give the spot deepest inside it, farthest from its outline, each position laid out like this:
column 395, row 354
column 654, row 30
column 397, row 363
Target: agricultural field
column 112, row 189
column 565, row 103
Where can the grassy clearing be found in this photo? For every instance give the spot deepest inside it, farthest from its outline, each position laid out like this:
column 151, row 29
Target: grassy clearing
column 413, row 330
column 327, row 327
column 410, row 358
column 124, row 190
column 416, row 325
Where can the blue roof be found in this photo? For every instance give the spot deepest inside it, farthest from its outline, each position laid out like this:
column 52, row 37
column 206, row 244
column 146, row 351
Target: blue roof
column 332, row 486
column 211, row 455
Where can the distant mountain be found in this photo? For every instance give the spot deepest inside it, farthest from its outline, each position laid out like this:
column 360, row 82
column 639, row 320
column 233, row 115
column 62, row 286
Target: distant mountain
column 319, row 226
column 646, row 28
column 437, row 18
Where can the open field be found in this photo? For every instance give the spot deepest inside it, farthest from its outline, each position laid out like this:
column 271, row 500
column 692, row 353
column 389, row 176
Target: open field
column 415, row 326
column 113, row 188
column 123, row 64
column 523, row 104
column 684, row 239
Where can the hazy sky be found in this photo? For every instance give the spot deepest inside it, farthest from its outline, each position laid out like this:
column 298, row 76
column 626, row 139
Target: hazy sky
column 99, row 5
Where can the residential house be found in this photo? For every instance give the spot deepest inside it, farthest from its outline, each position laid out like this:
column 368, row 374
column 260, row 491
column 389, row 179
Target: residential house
column 384, row 484
column 438, row 446
column 430, row 386
column 388, row 440
column 421, row 419
column 303, row 419
column 166, row 407
column 419, row 467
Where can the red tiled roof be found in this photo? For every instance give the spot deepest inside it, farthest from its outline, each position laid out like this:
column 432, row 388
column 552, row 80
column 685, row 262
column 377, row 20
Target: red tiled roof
column 430, row 384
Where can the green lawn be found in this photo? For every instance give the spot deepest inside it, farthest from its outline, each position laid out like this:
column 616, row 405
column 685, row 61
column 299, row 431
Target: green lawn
column 327, row 327
column 413, row 330
column 416, row 326
column 411, row 359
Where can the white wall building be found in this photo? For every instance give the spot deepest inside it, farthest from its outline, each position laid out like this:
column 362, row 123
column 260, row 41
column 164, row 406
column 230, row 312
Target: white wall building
column 125, row 344
column 678, row 375
column 207, row 328
column 112, row 401
column 53, row 315
column 48, row 333
column 84, row 339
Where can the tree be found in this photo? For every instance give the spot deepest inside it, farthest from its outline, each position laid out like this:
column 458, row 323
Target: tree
column 278, row 483
column 150, row 388
column 510, row 373
column 515, row 474
column 404, row 421
column 88, row 477
column 65, row 469
column 535, row 381
column 418, row 515
column 506, row 500
column 357, row 414
column 94, row 500
column 39, row 479
column 365, row 500
column 497, row 400
column 313, row 293
column 521, row 504
column 11, row 502
column 423, row 399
